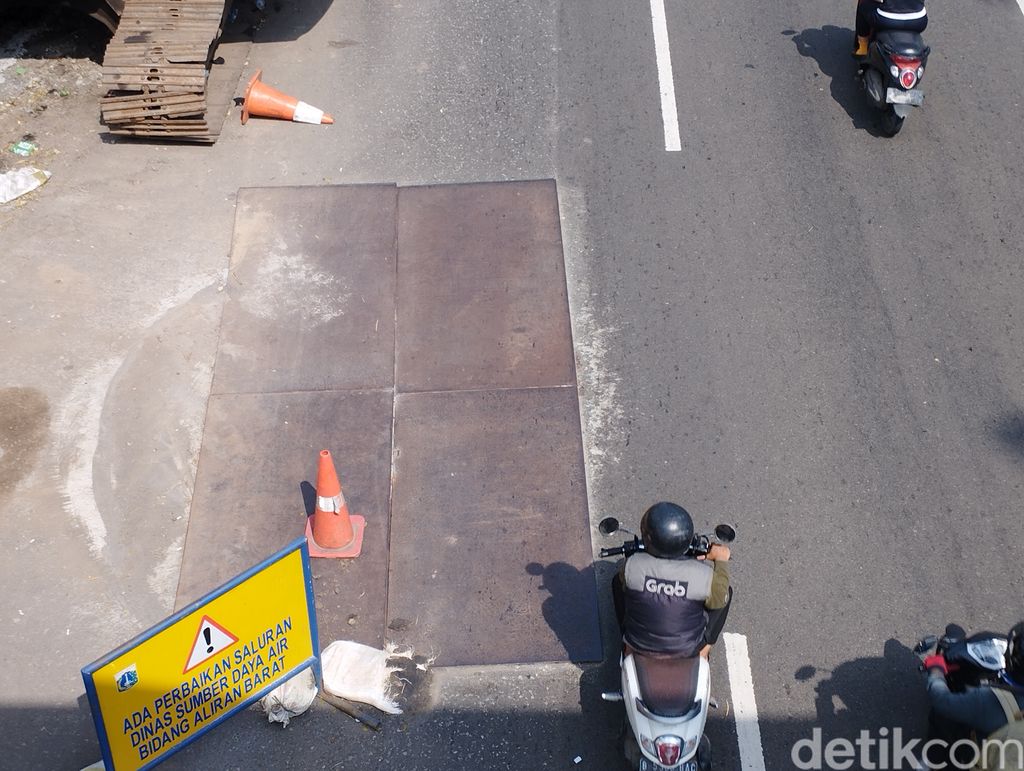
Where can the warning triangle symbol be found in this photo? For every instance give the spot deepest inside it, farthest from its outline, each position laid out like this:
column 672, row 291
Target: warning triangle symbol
column 211, row 639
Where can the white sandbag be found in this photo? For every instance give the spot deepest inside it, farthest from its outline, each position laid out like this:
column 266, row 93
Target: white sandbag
column 360, row 673
column 291, row 698
column 17, row 182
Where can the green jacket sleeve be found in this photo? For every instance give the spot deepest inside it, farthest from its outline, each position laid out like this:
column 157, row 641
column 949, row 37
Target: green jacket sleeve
column 719, row 594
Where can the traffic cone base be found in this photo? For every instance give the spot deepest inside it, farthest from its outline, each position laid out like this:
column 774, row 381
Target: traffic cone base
column 264, row 101
column 351, row 550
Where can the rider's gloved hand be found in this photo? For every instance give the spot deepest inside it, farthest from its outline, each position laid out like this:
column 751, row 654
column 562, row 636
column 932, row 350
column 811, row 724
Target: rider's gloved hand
column 936, row 661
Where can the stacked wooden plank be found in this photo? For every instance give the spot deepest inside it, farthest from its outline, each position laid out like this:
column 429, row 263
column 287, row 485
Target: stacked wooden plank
column 156, row 69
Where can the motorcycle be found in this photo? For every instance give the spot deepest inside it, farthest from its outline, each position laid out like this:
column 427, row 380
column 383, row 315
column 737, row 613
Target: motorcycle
column 891, row 75
column 973, row 661
column 666, row 699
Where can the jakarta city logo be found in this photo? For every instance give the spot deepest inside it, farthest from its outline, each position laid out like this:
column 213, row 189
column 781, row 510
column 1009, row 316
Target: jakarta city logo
column 126, row 678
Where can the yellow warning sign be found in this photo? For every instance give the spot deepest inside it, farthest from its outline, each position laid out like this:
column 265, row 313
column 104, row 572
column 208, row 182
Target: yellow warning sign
column 172, row 683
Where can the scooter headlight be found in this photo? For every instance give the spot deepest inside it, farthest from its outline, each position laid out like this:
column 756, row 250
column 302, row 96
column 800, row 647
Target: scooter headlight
column 669, row 748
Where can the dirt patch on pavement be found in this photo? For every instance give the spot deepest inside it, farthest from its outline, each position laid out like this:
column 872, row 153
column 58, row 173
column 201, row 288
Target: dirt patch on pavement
column 26, row 415
column 49, row 82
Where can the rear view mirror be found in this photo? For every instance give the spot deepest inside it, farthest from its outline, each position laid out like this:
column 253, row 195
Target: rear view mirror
column 725, row 533
column 608, row 525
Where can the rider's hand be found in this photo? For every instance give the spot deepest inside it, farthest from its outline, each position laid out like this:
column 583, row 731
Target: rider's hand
column 936, row 661
column 718, row 552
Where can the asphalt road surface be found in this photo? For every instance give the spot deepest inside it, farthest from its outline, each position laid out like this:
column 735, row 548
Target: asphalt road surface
column 790, row 323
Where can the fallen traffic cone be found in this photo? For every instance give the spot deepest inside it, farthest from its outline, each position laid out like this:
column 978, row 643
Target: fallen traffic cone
column 332, row 531
column 265, row 102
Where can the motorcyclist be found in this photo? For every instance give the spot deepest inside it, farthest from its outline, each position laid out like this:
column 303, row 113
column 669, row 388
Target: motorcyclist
column 909, row 15
column 977, row 712
column 668, row 602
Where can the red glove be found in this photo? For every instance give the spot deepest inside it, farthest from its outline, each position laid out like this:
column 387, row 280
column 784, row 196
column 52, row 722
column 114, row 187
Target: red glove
column 936, row 661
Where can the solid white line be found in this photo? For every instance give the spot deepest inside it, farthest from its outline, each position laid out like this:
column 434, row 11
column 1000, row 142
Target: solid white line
column 669, row 116
column 1021, row 4
column 741, row 683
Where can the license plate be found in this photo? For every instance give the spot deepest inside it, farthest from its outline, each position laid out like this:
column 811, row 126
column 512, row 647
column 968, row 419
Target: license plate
column 648, row 765
column 896, row 96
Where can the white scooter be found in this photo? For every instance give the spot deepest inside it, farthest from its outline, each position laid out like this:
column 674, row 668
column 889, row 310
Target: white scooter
column 666, row 699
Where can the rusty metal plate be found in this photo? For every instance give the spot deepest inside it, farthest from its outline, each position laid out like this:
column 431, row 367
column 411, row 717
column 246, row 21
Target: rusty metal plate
column 311, row 291
column 481, row 288
column 491, row 556
column 254, row 487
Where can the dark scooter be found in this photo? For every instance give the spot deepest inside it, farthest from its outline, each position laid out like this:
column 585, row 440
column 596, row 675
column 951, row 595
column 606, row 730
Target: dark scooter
column 891, row 75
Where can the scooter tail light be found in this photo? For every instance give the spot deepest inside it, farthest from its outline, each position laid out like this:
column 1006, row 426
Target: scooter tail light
column 908, row 69
column 669, row 748
column 906, row 61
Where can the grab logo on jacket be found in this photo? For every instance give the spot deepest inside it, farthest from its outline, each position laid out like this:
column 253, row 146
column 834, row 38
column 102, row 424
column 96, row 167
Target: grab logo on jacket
column 662, row 586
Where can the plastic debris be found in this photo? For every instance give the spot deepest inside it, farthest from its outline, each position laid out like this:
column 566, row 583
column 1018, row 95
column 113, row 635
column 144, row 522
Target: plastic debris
column 360, row 673
column 23, row 148
column 17, row 182
column 291, row 698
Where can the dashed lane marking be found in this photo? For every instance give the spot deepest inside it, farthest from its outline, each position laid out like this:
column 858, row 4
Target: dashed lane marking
column 669, row 114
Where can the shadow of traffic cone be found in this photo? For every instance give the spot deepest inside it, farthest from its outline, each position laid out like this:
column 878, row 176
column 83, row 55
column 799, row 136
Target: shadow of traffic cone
column 332, row 531
column 265, row 102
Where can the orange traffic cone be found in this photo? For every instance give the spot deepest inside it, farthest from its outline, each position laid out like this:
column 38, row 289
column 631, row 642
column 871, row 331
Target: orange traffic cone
column 332, row 531
column 265, row 102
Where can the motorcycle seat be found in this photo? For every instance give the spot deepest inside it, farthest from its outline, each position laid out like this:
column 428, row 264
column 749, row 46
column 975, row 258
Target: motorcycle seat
column 668, row 686
column 901, row 43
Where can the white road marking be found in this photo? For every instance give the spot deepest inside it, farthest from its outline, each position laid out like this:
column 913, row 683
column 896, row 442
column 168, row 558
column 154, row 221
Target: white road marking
column 741, row 683
column 1021, row 4
column 669, row 115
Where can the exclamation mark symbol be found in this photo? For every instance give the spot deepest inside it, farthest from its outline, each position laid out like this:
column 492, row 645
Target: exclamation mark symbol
column 206, row 634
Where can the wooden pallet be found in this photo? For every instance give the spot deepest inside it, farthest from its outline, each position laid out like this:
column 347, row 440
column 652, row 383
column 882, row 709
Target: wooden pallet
column 156, row 69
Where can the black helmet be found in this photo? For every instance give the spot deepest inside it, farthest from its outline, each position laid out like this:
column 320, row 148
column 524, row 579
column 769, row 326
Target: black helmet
column 666, row 530
column 1015, row 653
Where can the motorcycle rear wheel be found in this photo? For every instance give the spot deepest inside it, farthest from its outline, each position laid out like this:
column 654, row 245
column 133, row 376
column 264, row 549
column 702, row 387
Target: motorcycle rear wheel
column 633, row 754
column 891, row 122
column 630, row 747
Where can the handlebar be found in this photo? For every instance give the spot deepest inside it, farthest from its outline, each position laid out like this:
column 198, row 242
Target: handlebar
column 628, row 548
column 700, row 546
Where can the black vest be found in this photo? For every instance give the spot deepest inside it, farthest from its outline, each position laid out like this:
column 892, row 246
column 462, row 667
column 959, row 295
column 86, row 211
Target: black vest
column 665, row 604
